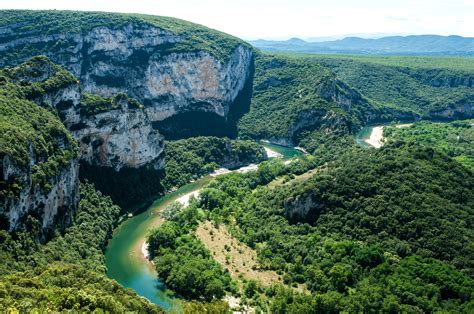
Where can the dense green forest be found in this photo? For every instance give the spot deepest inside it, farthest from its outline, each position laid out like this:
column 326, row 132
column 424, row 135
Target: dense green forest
column 67, row 273
column 189, row 159
column 183, row 262
column 407, row 84
column 456, row 139
column 387, row 230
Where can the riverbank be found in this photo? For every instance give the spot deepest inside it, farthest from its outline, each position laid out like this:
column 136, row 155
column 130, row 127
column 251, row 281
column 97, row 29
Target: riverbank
column 127, row 256
column 272, row 154
column 376, row 137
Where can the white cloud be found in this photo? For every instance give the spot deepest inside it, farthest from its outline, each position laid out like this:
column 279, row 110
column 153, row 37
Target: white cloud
column 289, row 18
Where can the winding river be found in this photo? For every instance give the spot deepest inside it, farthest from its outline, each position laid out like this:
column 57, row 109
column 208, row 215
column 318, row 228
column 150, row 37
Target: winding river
column 124, row 258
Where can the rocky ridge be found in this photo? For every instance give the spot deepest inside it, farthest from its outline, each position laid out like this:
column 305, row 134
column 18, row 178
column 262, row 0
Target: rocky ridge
column 159, row 67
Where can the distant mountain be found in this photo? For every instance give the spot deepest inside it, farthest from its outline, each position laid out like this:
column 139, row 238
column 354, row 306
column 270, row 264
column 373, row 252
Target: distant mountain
column 393, row 45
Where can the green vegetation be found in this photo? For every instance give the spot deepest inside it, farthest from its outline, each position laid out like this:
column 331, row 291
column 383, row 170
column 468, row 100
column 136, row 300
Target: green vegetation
column 189, row 159
column 457, row 64
column 456, row 139
column 400, row 83
column 303, row 99
column 36, row 78
column 183, row 262
column 386, row 230
column 186, row 160
column 34, row 23
column 286, row 92
column 94, row 104
column 28, row 130
column 67, row 273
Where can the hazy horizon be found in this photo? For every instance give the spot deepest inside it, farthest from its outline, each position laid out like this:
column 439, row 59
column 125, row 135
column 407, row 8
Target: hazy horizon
column 305, row 19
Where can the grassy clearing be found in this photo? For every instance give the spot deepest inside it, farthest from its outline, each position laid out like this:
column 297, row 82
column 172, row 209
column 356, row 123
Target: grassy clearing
column 291, row 179
column 238, row 258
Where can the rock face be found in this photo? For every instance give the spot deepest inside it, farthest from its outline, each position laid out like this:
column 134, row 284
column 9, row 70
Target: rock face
column 193, row 81
column 335, row 92
column 302, row 207
column 461, row 111
column 119, row 137
column 114, row 132
column 136, row 59
column 441, row 78
column 51, row 207
column 39, row 164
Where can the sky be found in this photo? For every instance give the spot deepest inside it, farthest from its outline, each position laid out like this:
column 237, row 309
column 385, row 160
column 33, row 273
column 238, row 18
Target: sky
column 283, row 19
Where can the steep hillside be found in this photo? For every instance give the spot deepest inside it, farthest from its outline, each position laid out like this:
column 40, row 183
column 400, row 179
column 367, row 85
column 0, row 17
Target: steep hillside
column 386, row 230
column 309, row 100
column 429, row 88
column 38, row 160
column 293, row 95
column 171, row 66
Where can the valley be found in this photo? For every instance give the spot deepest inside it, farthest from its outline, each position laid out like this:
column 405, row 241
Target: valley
column 149, row 164
column 124, row 254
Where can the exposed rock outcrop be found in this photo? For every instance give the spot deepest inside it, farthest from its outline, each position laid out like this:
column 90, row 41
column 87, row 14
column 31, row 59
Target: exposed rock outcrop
column 53, row 206
column 38, row 157
column 300, row 208
column 113, row 132
column 141, row 60
column 460, row 111
column 119, row 137
column 441, row 77
column 341, row 98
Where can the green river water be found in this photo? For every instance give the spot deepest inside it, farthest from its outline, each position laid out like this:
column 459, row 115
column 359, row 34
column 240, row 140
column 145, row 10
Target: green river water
column 364, row 134
column 124, row 259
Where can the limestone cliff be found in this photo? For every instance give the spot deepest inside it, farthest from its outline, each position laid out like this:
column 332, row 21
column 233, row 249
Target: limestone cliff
column 170, row 66
column 119, row 136
column 38, row 157
column 53, row 206
column 113, row 132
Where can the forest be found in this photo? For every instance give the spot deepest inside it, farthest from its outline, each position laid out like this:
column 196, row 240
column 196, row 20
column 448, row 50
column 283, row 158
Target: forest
column 67, row 273
column 456, row 139
column 387, row 231
column 408, row 84
column 340, row 228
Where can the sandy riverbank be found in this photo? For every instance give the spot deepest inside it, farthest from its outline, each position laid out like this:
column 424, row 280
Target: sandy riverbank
column 144, row 249
column 184, row 200
column 376, row 137
column 272, row 154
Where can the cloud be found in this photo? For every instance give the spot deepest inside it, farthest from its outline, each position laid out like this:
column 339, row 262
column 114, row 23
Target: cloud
column 292, row 18
column 402, row 19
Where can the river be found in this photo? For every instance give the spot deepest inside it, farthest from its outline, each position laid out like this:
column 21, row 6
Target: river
column 123, row 256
